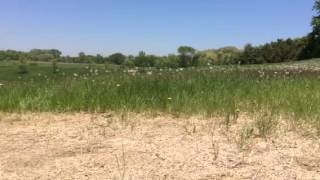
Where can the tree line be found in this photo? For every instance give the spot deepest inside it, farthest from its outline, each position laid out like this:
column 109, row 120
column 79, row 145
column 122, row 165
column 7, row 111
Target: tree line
column 281, row 50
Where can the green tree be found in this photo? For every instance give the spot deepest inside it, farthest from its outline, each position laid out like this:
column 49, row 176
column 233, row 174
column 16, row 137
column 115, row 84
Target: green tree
column 56, row 53
column 248, row 55
column 144, row 60
column 54, row 63
column 82, row 57
column 117, row 58
column 312, row 49
column 171, row 61
column 44, row 54
column 99, row 59
column 186, row 50
column 186, row 55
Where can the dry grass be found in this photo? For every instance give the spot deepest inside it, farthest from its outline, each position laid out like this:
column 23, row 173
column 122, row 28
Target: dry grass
column 157, row 146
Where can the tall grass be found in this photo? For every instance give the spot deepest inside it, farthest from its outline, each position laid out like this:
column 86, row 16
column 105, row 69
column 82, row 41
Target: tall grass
column 209, row 91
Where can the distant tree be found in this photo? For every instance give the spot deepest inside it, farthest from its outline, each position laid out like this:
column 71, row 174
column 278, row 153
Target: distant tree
column 99, row 59
column 2, row 55
column 312, row 49
column 22, row 66
column 144, row 60
column 195, row 59
column 117, row 58
column 56, row 53
column 204, row 59
column 186, row 54
column 248, row 55
column 171, row 61
column 54, row 63
column 274, row 52
column 226, row 55
column 316, row 19
column 186, row 50
column 90, row 59
column 11, row 55
column 82, row 57
column 44, row 54
column 129, row 63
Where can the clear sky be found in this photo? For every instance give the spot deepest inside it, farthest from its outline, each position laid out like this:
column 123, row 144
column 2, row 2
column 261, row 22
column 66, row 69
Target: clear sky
column 156, row 26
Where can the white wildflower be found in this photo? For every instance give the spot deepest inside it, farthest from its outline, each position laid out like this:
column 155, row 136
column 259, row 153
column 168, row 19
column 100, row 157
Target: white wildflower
column 132, row 71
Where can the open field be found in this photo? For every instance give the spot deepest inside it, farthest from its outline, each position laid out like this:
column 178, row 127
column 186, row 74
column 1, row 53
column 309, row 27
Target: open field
column 291, row 89
column 110, row 122
column 160, row 90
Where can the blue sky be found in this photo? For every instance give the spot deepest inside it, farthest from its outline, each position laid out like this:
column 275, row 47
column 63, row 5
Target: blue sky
column 156, row 26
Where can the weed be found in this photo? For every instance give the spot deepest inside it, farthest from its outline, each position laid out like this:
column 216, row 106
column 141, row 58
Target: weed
column 123, row 165
column 244, row 135
column 191, row 91
column 266, row 122
column 215, row 148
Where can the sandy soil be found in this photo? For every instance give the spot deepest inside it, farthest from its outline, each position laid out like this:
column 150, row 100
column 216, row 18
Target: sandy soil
column 136, row 146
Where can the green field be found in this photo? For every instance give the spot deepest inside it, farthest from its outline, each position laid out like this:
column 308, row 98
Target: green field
column 291, row 89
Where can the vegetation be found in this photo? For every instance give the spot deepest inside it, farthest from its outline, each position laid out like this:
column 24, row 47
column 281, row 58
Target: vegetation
column 43, row 80
column 213, row 90
column 275, row 52
column 226, row 98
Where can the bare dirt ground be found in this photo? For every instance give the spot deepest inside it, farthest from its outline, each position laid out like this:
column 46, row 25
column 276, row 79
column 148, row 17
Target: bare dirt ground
column 139, row 146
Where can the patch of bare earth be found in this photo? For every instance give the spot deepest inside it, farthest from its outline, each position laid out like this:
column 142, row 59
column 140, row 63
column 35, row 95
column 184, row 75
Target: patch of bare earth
column 137, row 146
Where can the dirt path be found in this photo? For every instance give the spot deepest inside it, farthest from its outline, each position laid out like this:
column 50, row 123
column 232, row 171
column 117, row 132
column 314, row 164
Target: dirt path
column 132, row 146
